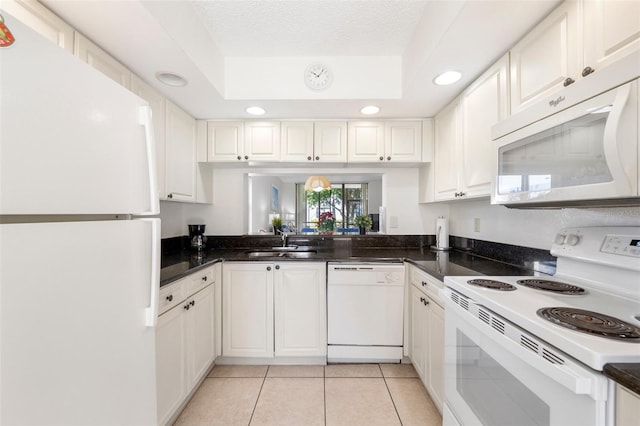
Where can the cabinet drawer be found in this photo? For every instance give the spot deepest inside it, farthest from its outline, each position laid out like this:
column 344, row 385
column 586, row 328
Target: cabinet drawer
column 427, row 284
column 171, row 295
column 200, row 280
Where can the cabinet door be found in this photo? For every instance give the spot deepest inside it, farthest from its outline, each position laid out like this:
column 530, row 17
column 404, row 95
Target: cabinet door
column 330, row 141
column 200, row 334
column 365, row 141
column 435, row 353
column 170, row 362
column 627, row 407
column 546, row 56
column 42, row 20
column 93, row 55
column 611, row 31
column 157, row 104
column 225, row 140
column 297, row 141
column 446, row 156
column 300, row 309
column 403, row 141
column 180, row 154
column 482, row 105
column 247, row 291
column 262, row 141
column 419, row 330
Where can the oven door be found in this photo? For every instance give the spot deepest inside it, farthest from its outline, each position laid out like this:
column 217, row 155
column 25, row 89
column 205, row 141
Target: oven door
column 496, row 374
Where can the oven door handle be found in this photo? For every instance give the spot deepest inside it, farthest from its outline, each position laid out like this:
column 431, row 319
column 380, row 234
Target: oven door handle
column 562, row 370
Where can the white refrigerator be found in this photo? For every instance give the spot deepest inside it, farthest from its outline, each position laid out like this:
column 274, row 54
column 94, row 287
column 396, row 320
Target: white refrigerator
column 79, row 242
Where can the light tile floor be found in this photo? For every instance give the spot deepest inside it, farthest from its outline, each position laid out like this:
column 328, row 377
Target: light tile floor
column 297, row 395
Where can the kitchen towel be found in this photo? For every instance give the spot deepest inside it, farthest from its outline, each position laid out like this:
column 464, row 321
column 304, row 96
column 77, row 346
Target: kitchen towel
column 442, row 233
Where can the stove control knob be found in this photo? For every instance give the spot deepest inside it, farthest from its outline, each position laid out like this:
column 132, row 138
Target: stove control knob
column 573, row 239
column 559, row 239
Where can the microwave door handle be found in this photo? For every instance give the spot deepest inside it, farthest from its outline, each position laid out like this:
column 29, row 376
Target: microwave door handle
column 614, row 138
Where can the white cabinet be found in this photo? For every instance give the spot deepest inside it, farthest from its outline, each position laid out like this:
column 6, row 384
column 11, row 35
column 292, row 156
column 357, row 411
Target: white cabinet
column 300, row 309
column 627, row 407
column 365, row 141
column 274, row 309
column 464, row 161
column 180, row 159
column 262, row 141
column 320, row 142
column 297, row 141
column 330, row 142
column 427, row 332
column 185, row 337
column 247, row 309
column 611, row 30
column 42, row 20
column 546, row 57
column 482, row 105
column 403, row 141
column 445, row 162
column 93, row 55
column 225, row 141
column 157, row 104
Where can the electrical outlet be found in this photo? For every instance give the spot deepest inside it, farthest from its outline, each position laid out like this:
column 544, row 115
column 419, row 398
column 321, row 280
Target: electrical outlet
column 476, row 224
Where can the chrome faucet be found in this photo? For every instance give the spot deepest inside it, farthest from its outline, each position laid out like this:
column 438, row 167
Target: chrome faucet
column 283, row 237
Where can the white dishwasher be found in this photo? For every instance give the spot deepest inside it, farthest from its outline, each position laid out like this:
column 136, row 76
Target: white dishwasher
column 365, row 304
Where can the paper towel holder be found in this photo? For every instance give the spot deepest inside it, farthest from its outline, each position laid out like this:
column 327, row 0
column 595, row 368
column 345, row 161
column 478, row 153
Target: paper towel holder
column 437, row 246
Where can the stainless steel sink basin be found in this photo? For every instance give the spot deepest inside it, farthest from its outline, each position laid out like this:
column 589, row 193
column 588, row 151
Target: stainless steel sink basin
column 287, row 248
column 291, row 252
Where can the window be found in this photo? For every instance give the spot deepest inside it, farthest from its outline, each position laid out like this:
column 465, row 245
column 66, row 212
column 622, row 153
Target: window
column 344, row 200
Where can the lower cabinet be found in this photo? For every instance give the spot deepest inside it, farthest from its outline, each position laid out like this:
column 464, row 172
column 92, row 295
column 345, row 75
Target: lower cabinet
column 427, row 333
column 185, row 344
column 274, row 309
column 627, row 407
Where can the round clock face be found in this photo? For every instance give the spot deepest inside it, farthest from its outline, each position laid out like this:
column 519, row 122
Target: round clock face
column 317, row 77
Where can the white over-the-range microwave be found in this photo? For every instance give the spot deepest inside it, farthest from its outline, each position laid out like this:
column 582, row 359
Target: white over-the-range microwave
column 577, row 148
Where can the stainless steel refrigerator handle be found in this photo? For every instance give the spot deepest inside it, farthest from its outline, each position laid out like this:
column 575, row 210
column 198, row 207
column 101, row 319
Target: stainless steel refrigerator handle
column 151, row 312
column 147, row 121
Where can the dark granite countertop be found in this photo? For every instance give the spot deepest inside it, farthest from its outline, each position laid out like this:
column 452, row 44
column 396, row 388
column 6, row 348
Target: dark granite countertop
column 628, row 375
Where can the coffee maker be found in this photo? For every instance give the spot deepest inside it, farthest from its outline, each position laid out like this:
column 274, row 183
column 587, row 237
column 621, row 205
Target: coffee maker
column 197, row 238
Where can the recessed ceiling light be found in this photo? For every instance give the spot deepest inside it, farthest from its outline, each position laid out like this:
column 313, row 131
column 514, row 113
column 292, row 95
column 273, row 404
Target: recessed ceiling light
column 447, row 77
column 369, row 110
column 171, row 79
column 254, row 110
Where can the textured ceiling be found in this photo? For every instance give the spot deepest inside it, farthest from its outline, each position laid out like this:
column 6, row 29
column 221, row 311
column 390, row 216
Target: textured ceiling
column 314, row 27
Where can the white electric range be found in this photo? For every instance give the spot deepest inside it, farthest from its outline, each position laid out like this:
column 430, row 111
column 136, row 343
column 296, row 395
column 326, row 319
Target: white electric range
column 516, row 351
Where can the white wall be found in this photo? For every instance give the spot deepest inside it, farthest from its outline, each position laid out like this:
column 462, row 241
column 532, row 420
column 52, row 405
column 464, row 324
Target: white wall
column 529, row 228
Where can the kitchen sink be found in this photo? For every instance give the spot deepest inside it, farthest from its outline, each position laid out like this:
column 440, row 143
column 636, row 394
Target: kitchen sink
column 292, row 252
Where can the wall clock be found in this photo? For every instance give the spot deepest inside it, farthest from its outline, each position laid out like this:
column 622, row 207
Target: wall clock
column 318, row 76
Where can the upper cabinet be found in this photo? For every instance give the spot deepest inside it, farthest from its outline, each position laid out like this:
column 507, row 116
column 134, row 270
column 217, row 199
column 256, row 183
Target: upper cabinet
column 262, row 141
column 321, row 142
column 547, row 58
column 611, row 31
column 464, row 156
column 225, row 141
column 181, row 155
column 385, row 141
column 42, row 20
column 575, row 40
column 93, row 55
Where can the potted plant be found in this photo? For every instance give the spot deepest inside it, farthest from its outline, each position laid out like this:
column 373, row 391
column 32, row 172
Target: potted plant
column 326, row 223
column 364, row 222
column 277, row 224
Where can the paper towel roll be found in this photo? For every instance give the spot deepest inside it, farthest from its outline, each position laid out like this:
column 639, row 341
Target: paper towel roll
column 442, row 232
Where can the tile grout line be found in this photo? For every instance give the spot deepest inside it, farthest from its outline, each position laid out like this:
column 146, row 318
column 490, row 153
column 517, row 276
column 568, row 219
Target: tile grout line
column 259, row 393
column 390, row 395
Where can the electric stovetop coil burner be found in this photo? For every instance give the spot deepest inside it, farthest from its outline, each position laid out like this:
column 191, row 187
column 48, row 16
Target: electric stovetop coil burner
column 591, row 322
column 492, row 284
column 553, row 286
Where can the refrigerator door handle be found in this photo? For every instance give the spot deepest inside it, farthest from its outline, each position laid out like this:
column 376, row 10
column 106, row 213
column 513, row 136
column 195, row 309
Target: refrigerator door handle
column 151, row 312
column 146, row 120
